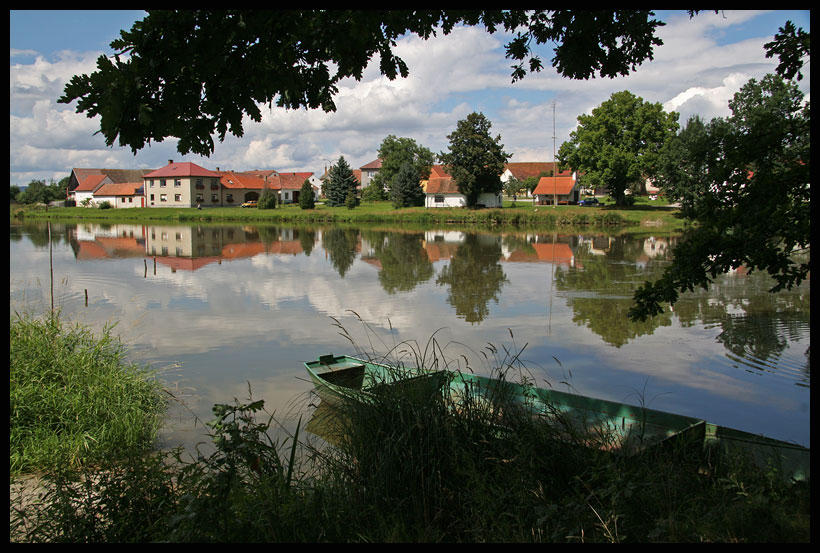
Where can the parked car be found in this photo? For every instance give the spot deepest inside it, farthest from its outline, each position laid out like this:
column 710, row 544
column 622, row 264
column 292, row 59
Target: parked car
column 589, row 201
column 249, row 203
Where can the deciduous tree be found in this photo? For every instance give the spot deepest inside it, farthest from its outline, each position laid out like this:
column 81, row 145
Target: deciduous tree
column 618, row 144
column 475, row 159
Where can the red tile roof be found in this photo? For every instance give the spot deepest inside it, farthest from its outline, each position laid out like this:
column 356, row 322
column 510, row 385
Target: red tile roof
column 375, row 164
column 118, row 189
column 182, row 169
column 525, row 169
column 438, row 171
column 442, row 185
column 232, row 180
column 90, row 183
column 293, row 181
column 554, row 185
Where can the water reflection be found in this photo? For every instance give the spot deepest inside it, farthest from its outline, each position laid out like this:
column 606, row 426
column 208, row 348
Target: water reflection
column 250, row 302
column 594, row 274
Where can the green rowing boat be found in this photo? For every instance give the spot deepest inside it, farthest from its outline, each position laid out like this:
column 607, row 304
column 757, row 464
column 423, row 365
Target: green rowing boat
column 627, row 427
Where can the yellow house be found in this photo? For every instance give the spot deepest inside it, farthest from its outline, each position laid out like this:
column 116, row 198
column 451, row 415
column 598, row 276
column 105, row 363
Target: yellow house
column 182, row 184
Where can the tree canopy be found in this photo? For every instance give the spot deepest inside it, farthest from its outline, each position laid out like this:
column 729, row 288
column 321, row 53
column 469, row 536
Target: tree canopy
column 192, row 74
column 396, row 153
column 475, row 159
column 618, row 144
column 750, row 195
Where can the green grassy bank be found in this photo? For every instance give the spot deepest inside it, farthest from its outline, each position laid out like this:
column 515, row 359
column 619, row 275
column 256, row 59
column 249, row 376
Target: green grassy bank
column 644, row 214
column 73, row 399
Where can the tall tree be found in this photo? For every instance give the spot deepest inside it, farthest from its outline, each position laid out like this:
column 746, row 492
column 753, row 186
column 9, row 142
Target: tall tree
column 618, row 144
column 753, row 204
column 475, row 159
column 340, row 182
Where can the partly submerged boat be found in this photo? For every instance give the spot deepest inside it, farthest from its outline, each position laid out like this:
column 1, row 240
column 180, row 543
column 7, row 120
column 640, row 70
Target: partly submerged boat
column 621, row 426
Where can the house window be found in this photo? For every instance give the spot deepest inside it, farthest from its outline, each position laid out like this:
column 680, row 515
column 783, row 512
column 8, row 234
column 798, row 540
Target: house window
column 214, row 198
column 162, row 183
column 177, row 197
column 122, row 200
column 214, row 184
column 177, row 182
column 439, row 199
column 152, row 198
column 199, row 185
column 229, row 198
column 199, row 197
column 163, row 197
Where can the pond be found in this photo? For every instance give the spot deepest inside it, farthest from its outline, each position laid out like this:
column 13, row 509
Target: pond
column 224, row 311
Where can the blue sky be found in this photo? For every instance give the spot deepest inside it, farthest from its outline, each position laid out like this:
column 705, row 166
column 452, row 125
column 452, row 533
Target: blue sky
column 702, row 63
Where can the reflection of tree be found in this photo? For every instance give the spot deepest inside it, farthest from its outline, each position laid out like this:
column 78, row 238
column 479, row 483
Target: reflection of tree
column 475, row 276
column 340, row 244
column 756, row 325
column 307, row 239
column 610, row 280
column 404, row 261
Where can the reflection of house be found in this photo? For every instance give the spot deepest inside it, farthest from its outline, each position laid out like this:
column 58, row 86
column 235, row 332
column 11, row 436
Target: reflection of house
column 557, row 253
column 654, row 247
column 562, row 189
column 442, row 191
column 598, row 245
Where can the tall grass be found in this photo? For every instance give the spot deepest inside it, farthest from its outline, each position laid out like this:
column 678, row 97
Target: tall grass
column 73, row 399
column 414, row 467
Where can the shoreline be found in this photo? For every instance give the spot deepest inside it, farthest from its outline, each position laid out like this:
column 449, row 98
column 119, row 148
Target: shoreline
column 519, row 217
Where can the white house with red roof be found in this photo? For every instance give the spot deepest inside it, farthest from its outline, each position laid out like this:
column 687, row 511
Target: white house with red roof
column 120, row 194
column 442, row 191
column 561, row 189
column 84, row 183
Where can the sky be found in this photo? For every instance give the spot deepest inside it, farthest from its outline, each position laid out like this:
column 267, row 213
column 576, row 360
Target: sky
column 702, row 63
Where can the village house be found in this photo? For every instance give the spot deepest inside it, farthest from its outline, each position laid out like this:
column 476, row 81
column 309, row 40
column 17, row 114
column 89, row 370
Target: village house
column 186, row 184
column 368, row 171
column 120, row 194
column 83, row 183
column 181, row 184
column 442, row 191
column 560, row 189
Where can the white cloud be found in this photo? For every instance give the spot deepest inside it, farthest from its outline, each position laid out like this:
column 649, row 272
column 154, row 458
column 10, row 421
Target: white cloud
column 696, row 71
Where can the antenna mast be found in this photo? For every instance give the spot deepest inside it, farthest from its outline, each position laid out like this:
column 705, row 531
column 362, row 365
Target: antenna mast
column 554, row 163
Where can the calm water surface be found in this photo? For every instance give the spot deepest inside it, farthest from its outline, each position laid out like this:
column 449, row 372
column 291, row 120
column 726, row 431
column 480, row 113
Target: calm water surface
column 221, row 310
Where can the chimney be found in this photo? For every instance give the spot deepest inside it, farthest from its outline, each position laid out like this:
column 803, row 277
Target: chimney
column 170, row 162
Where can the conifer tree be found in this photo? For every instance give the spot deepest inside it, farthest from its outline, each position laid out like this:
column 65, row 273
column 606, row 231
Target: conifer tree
column 340, row 181
column 306, row 199
column 406, row 189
